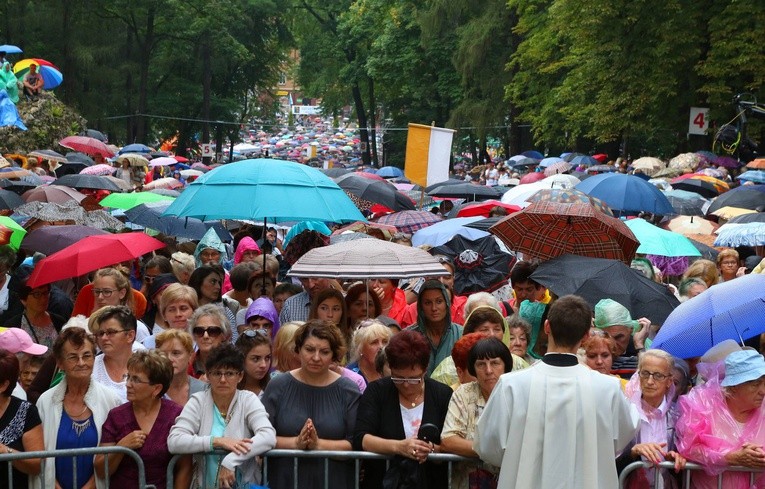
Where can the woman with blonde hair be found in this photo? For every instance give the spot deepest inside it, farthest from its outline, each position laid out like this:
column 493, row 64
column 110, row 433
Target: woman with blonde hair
column 284, row 356
column 367, row 341
column 706, row 270
column 176, row 305
column 183, row 265
column 113, row 282
column 178, row 346
column 729, row 265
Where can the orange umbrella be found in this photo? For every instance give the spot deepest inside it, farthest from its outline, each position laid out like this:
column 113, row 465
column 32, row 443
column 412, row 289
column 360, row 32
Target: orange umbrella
column 758, row 164
column 687, row 225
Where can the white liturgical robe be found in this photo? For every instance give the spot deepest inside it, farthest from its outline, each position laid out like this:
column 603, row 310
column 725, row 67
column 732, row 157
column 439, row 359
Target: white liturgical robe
column 551, row 427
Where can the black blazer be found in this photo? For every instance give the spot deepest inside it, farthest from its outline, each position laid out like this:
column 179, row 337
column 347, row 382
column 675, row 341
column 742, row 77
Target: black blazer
column 379, row 414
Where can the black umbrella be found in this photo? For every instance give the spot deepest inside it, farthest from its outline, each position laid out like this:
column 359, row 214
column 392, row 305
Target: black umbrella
column 93, row 182
column 746, row 218
column 71, row 168
column 150, row 216
column 50, row 239
column 76, row 157
column 92, row 133
column 687, row 207
column 9, row 200
column 335, row 172
column 451, row 181
column 484, row 224
column 745, row 197
column 598, row 278
column 707, row 252
column 524, row 162
column 465, row 190
column 375, row 191
column 701, row 187
column 480, row 265
column 16, row 186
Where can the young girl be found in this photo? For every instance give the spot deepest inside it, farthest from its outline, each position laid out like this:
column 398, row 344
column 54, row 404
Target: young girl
column 255, row 345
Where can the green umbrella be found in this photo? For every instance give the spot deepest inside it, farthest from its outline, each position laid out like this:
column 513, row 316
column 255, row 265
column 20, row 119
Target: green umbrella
column 656, row 241
column 132, row 199
column 18, row 232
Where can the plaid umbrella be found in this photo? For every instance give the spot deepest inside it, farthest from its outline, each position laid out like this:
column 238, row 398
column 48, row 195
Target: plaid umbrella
column 548, row 229
column 410, row 221
column 686, row 225
column 559, row 167
column 569, row 196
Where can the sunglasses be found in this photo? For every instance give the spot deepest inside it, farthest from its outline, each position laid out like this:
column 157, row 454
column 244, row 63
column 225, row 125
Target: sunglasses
column 212, row 332
column 252, row 333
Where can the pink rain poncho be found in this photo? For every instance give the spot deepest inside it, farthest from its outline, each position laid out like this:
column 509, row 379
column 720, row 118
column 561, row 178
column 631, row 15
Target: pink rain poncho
column 706, row 432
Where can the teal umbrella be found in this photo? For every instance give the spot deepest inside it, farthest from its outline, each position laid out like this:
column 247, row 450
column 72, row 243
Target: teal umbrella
column 263, row 188
column 656, row 241
column 298, row 228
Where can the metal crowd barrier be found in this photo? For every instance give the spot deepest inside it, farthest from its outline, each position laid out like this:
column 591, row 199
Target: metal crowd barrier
column 74, row 453
column 686, row 480
column 357, row 457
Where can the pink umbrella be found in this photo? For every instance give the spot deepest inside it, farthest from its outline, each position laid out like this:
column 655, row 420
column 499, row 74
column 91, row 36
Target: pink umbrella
column 532, row 177
column 101, row 169
column 89, row 146
column 166, row 182
column 163, row 161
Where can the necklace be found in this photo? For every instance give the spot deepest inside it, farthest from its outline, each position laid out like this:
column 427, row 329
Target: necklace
column 414, row 402
column 79, row 427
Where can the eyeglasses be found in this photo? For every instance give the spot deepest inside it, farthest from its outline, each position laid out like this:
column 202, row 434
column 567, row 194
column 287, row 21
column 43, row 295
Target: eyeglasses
column 212, row 332
column 657, row 376
column 39, row 294
column 132, row 379
column 109, row 333
column 218, row 374
column 252, row 333
column 104, row 292
column 86, row 357
column 399, row 380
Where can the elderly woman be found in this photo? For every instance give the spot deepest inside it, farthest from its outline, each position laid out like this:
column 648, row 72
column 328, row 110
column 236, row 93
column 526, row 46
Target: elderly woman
column 313, row 408
column 393, row 409
column 114, row 328
column 20, row 425
column 74, row 411
column 142, row 424
column 652, row 392
column 223, row 418
column 368, row 340
column 183, row 265
column 41, row 325
column 518, row 339
column 177, row 303
column 210, row 328
column 434, row 322
column 599, row 351
column 488, row 359
column 729, row 265
column 361, row 304
column 178, row 346
column 723, row 424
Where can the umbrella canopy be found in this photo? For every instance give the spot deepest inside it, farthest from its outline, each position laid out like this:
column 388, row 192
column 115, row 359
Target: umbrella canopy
column 597, row 278
column 89, row 146
column 166, row 183
column 479, row 264
column 559, row 167
column 135, row 148
column 549, row 229
column 742, row 219
column 626, row 193
column 727, row 162
column 410, row 221
column 686, row 225
column 569, row 196
column 390, row 172
column 331, row 172
column 686, row 161
column 744, row 197
column 465, row 190
column 163, row 161
column 648, row 165
column 731, row 310
column 77, row 157
column 375, row 191
column 758, row 164
column 365, row 259
column 298, row 228
column 100, row 169
column 129, row 200
column 9, row 200
column 686, row 203
column 451, row 181
column 50, row 239
column 92, row 182
column 523, row 161
column 549, row 161
column 483, row 209
column 532, row 177
column 484, row 224
column 69, row 211
column 48, row 154
column 53, row 193
column 133, row 159
column 443, row 231
column 374, row 229
column 583, row 160
column 349, row 236
column 10, row 49
column 533, row 154
column 657, row 241
column 150, row 215
column 92, row 253
column 733, row 235
column 731, row 212
column 701, row 187
column 757, row 176
column 17, row 232
column 265, row 188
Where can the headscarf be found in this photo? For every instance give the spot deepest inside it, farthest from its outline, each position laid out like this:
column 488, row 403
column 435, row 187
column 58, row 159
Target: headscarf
column 433, row 285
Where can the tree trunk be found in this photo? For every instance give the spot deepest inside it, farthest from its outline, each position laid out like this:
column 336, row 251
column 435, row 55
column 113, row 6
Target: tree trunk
column 362, row 118
column 147, row 46
column 373, row 122
column 206, row 88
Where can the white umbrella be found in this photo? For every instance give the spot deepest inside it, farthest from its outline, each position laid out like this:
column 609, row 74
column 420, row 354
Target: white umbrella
column 365, row 259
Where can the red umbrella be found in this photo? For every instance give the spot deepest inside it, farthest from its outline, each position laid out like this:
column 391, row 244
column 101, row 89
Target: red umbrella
column 92, row 253
column 532, row 177
column 550, row 229
column 58, row 194
column 483, row 208
column 84, row 144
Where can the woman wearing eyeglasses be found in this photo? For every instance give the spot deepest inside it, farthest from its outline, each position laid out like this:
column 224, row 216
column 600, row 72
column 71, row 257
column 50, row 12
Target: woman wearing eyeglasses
column 112, row 288
column 41, row 325
column 313, row 408
column 142, row 425
column 255, row 345
column 114, row 328
column 393, row 408
column 223, row 418
column 209, row 328
column 73, row 411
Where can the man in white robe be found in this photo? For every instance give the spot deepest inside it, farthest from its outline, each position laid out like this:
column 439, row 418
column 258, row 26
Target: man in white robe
column 557, row 424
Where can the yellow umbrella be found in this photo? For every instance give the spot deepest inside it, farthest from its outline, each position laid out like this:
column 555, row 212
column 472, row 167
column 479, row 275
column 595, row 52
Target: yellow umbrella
column 728, row 212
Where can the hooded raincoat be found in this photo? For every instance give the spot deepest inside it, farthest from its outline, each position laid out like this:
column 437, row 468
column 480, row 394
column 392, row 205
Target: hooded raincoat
column 263, row 307
column 246, row 244
column 209, row 240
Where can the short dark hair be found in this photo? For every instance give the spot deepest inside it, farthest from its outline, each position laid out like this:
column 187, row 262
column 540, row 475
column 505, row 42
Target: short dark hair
column 76, row 336
column 122, row 314
column 287, row 288
column 157, row 367
column 160, row 262
column 225, row 355
column 522, row 271
column 570, row 320
column 355, row 291
column 408, row 349
column 240, row 275
column 9, row 370
column 487, row 348
column 323, row 330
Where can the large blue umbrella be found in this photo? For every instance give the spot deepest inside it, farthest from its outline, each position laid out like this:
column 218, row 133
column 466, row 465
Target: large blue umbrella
column 443, row 231
column 265, row 189
column 298, row 228
column 626, row 193
column 756, row 176
column 731, row 310
column 746, row 234
column 583, row 160
column 550, row 161
column 390, row 172
column 150, row 215
column 135, row 148
column 533, row 154
column 10, row 49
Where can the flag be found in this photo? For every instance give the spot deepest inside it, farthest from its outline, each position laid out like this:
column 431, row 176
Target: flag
column 428, row 150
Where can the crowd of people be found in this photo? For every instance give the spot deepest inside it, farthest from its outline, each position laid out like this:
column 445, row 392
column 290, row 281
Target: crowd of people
column 220, row 361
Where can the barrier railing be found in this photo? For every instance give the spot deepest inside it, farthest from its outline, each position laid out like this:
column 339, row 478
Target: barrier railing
column 357, row 457
column 689, row 468
column 74, row 453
